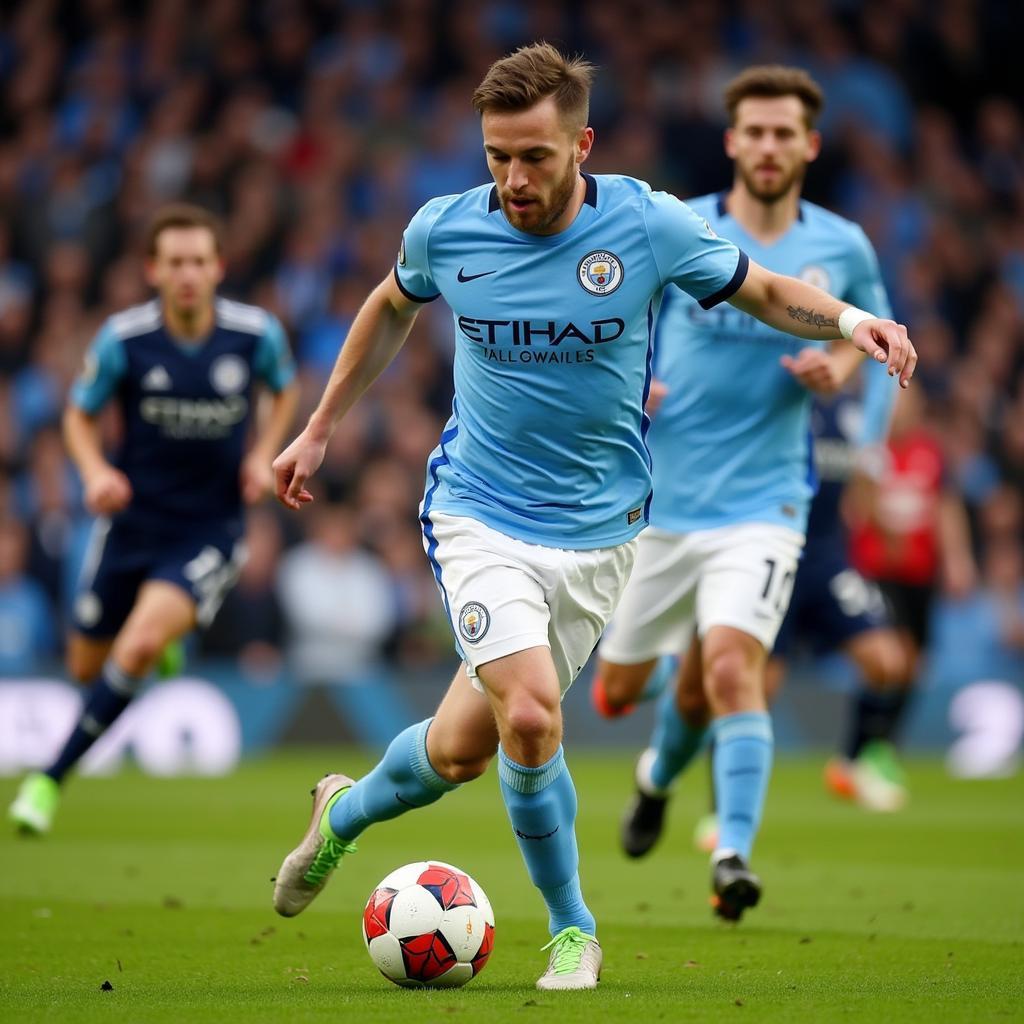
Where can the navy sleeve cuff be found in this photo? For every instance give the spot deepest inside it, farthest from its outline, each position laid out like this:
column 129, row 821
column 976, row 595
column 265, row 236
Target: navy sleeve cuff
column 417, row 298
column 731, row 288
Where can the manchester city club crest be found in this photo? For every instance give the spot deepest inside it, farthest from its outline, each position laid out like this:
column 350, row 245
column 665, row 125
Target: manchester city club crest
column 816, row 275
column 229, row 374
column 600, row 272
column 474, row 621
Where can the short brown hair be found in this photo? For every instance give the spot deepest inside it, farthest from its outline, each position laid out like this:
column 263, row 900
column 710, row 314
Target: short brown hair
column 771, row 80
column 182, row 215
column 530, row 75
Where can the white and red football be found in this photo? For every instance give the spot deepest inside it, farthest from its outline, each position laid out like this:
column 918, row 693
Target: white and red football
column 428, row 924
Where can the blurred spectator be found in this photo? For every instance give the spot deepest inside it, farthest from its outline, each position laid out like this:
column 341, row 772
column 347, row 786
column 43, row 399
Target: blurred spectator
column 26, row 629
column 316, row 129
column 338, row 601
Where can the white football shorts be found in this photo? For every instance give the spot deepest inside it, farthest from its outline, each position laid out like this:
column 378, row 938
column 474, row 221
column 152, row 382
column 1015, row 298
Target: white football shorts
column 503, row 595
column 740, row 576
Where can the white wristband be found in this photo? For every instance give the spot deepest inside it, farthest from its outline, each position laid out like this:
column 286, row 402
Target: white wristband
column 850, row 318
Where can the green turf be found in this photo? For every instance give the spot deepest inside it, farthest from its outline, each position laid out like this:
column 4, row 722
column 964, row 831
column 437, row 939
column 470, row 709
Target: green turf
column 161, row 887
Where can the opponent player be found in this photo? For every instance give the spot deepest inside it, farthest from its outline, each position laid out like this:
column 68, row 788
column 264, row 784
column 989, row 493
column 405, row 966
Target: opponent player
column 167, row 543
column 909, row 534
column 541, row 480
column 731, row 452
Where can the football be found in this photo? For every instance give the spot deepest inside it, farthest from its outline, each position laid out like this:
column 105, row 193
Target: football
column 428, row 924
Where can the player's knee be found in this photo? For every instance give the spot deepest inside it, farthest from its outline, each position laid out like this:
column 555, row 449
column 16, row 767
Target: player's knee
column 459, row 767
column 531, row 721
column 138, row 652
column 732, row 681
column 885, row 664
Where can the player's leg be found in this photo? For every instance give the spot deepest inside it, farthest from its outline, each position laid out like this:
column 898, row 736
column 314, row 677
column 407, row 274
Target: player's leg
column 420, row 765
column 875, row 777
column 113, row 570
column 162, row 612
column 742, row 596
column 540, row 799
column 578, row 592
column 705, row 831
column 680, row 729
column 910, row 609
column 639, row 651
column 38, row 797
column 848, row 613
column 741, row 761
column 616, row 689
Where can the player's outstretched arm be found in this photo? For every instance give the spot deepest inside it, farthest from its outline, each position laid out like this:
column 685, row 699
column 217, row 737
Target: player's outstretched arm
column 799, row 308
column 107, row 489
column 377, row 333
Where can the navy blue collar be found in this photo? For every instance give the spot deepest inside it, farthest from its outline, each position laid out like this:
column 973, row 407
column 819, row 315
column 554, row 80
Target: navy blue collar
column 723, row 211
column 589, row 199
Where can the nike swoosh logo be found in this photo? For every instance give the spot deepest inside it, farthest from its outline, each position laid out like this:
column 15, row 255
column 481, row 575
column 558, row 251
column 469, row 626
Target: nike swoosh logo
column 464, row 277
column 401, row 799
column 524, row 835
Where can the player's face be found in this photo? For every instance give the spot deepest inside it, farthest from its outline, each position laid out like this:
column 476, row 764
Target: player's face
column 534, row 160
column 771, row 145
column 186, row 269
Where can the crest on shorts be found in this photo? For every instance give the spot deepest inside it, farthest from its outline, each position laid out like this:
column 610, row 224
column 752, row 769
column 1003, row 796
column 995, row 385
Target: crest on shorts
column 600, row 272
column 474, row 621
column 88, row 609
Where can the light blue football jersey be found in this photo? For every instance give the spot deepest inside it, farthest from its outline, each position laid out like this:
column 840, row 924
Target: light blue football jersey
column 546, row 442
column 731, row 440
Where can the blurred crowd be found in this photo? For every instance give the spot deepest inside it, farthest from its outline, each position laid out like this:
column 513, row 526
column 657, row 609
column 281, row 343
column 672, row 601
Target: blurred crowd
column 315, row 129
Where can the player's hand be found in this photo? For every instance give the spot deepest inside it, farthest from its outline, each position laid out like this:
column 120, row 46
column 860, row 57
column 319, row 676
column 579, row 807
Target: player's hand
column 815, row 369
column 659, row 389
column 887, row 341
column 107, row 491
column 294, row 466
column 256, row 478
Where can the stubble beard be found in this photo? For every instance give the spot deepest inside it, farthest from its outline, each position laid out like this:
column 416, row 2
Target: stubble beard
column 770, row 196
column 560, row 199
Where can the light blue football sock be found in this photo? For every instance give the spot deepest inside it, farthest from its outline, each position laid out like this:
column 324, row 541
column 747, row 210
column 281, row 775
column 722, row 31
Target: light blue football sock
column 403, row 780
column 665, row 670
column 541, row 804
column 674, row 742
column 742, row 765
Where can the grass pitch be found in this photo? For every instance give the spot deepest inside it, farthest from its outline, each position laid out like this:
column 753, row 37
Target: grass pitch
column 161, row 889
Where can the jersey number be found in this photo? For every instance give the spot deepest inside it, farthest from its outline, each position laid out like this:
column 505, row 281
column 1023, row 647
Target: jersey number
column 777, row 591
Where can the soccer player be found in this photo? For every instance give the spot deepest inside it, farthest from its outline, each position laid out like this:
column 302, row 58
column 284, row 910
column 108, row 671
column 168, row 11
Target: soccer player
column 909, row 533
column 732, row 484
column 167, row 541
column 834, row 608
column 541, row 480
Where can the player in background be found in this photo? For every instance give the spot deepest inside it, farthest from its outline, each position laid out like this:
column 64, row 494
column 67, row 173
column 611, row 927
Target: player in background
column 541, row 480
column 834, row 608
column 167, row 542
column 733, row 482
column 909, row 534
